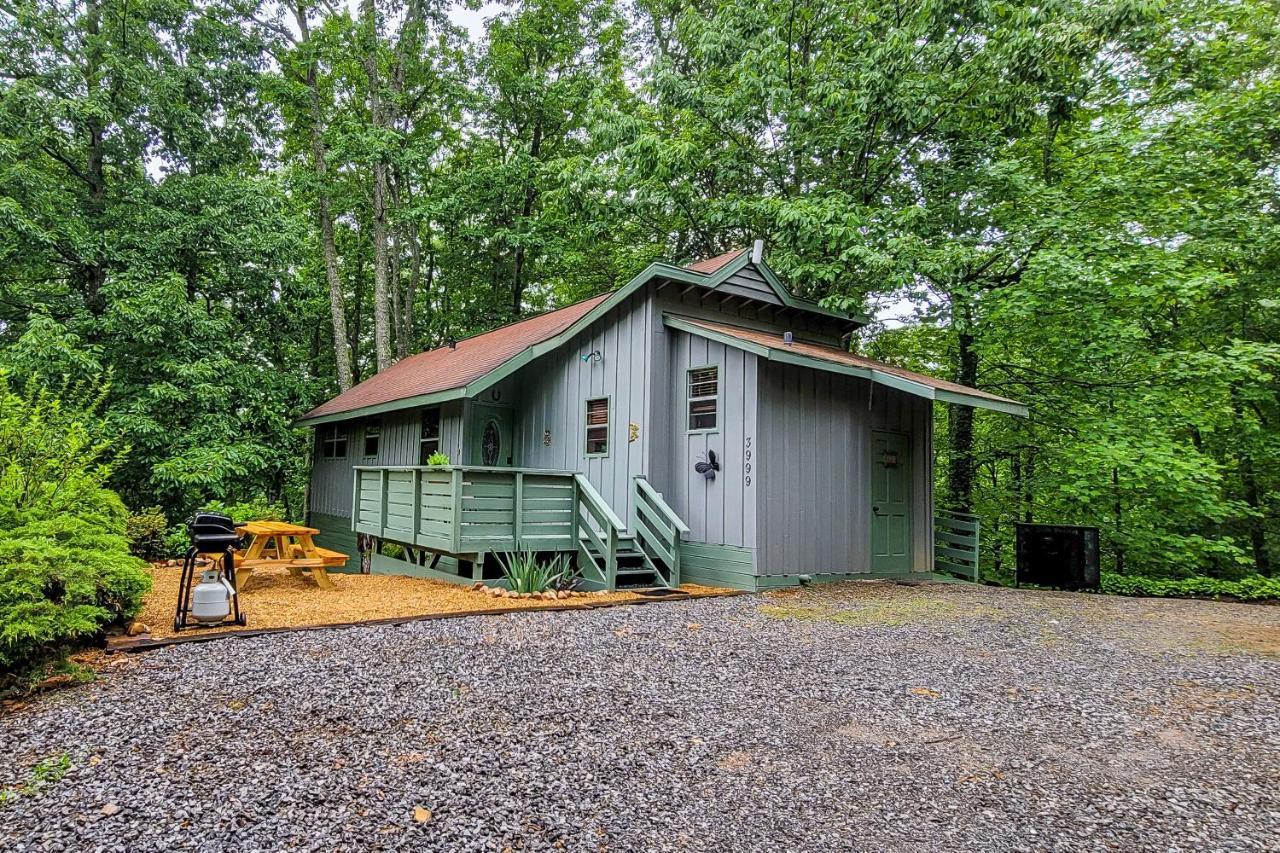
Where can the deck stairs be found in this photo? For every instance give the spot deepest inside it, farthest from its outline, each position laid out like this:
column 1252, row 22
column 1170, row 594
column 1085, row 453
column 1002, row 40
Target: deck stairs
column 613, row 555
column 636, row 569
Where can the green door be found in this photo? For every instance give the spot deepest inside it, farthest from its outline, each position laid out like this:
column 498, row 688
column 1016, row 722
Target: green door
column 890, row 502
column 492, row 437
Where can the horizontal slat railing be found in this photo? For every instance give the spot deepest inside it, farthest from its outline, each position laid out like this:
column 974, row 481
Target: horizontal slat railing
column 658, row 529
column 466, row 509
column 956, row 540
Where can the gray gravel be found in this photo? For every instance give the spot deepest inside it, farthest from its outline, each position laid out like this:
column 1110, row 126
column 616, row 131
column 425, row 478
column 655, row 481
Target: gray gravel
column 862, row 716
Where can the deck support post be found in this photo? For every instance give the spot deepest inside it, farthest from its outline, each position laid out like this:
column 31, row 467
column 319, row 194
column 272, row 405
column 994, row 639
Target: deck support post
column 517, row 515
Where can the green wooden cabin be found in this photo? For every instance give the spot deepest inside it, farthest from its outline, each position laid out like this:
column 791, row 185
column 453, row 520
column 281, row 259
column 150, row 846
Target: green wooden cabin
column 590, row 431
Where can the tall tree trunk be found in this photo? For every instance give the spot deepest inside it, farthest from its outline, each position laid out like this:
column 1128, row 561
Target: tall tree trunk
column 319, row 164
column 381, row 295
column 92, row 273
column 526, row 210
column 960, row 420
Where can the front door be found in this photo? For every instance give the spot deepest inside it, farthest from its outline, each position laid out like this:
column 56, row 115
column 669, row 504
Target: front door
column 890, row 502
column 492, row 437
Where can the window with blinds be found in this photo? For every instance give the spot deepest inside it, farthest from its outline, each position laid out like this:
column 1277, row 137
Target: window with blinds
column 598, row 426
column 704, row 398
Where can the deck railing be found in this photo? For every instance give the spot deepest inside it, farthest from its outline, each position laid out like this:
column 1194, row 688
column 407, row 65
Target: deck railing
column 658, row 529
column 955, row 549
column 467, row 510
column 599, row 529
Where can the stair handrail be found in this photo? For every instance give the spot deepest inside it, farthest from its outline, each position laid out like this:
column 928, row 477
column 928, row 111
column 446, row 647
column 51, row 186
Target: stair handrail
column 656, row 518
column 608, row 520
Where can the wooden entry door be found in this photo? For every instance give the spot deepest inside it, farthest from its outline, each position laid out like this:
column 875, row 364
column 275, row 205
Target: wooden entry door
column 890, row 502
column 492, row 440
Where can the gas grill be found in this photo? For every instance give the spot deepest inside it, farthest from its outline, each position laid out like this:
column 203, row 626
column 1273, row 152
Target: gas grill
column 214, row 601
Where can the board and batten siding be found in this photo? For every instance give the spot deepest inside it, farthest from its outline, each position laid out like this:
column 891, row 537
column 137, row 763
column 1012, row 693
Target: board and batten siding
column 553, row 392
column 720, row 511
column 332, row 479
column 814, row 488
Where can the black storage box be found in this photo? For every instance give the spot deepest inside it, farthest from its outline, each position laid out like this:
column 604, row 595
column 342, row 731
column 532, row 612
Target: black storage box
column 1058, row 555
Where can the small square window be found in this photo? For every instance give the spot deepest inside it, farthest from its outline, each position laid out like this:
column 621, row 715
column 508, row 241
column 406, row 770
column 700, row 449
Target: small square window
column 429, row 440
column 372, row 437
column 333, row 442
column 598, row 426
column 704, row 398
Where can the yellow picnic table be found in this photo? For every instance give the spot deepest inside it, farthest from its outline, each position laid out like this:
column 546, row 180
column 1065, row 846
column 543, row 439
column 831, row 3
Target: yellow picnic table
column 292, row 546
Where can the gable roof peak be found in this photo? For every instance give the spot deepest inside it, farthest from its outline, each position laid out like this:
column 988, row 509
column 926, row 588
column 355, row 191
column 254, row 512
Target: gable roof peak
column 708, row 266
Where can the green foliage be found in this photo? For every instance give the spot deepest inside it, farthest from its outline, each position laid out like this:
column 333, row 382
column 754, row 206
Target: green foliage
column 1248, row 588
column 46, row 772
column 438, row 458
column 1070, row 204
column 65, row 567
column 525, row 572
column 146, row 531
column 392, row 550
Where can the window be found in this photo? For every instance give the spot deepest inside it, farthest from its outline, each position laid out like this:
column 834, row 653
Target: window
column 598, row 426
column 372, row 433
column 333, row 442
column 704, row 398
column 429, row 440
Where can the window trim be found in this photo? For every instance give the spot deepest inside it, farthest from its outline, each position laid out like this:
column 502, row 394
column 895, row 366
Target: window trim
column 587, row 426
column 689, row 399
column 334, row 438
column 376, row 426
column 439, row 437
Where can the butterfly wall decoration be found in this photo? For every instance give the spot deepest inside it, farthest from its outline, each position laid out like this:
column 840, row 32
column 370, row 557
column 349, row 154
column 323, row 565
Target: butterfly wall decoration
column 708, row 465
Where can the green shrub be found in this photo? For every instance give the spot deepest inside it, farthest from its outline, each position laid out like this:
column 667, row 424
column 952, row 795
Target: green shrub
column 524, row 572
column 1248, row 588
column 392, row 550
column 147, row 532
column 66, row 571
column 438, row 458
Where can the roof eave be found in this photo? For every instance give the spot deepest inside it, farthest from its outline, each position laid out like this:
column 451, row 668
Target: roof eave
column 880, row 377
column 383, row 408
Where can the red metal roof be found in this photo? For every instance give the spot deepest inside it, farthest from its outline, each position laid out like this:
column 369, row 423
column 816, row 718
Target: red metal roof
column 447, row 368
column 710, row 265
column 774, row 340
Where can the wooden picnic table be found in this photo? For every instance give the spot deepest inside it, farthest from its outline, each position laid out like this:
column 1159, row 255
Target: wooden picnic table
column 292, row 546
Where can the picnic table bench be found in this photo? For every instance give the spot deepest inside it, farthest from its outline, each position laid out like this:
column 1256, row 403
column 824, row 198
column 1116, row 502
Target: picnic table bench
column 291, row 546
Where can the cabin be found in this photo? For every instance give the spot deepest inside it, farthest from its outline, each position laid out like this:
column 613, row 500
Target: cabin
column 700, row 424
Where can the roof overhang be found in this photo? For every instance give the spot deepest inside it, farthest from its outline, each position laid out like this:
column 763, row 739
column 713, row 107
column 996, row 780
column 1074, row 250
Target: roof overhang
column 782, row 355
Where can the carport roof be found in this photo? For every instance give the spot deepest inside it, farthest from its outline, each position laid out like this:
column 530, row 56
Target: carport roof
column 774, row 347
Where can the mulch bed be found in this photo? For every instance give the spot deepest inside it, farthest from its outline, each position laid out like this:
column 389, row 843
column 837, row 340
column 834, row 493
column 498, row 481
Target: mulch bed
column 276, row 601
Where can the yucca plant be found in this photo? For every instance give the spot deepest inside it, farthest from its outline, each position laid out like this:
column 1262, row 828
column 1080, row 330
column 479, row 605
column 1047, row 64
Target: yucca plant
column 524, row 572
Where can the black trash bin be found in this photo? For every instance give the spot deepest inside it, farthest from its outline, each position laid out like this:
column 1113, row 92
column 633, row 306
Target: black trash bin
column 1061, row 555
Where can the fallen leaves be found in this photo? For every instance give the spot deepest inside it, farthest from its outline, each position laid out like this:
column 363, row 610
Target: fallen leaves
column 926, row 692
column 422, row 815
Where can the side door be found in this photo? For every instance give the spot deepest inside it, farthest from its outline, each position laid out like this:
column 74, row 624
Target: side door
column 890, row 502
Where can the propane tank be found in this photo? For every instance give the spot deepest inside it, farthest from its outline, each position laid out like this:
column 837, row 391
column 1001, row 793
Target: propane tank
column 211, row 599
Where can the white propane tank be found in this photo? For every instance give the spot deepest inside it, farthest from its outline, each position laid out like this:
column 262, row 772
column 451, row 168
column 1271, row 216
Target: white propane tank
column 211, row 599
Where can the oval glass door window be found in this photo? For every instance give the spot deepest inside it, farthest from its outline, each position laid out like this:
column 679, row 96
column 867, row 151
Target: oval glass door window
column 491, row 442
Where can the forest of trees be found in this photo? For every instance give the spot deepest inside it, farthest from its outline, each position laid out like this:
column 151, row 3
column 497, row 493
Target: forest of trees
column 222, row 212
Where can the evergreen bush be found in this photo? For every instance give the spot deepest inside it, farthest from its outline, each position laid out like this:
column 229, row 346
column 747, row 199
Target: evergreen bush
column 66, row 571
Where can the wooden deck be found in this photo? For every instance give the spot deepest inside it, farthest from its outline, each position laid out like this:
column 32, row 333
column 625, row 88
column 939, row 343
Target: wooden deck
column 470, row 511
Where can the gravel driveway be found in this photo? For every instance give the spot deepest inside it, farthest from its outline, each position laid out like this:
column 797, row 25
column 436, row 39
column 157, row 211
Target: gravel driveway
column 858, row 716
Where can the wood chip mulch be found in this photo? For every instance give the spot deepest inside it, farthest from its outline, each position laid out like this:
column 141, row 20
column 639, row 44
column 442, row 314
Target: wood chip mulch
column 273, row 600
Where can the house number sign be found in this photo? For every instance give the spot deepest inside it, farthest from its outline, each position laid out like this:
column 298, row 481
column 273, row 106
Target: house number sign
column 748, row 460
